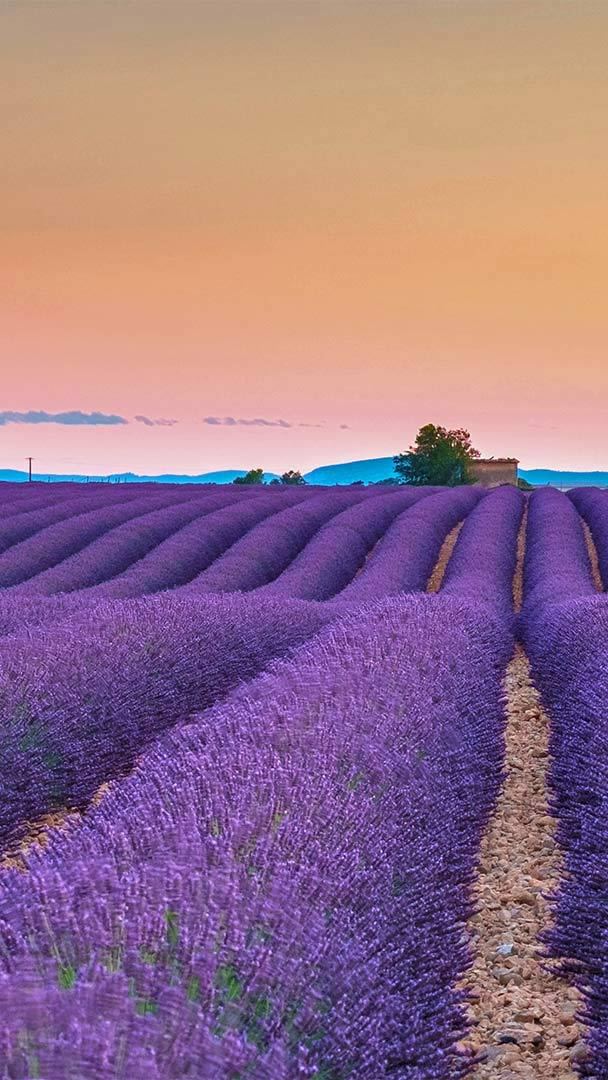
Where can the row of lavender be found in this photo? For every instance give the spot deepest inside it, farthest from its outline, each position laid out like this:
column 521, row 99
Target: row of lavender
column 102, row 534
column 302, row 544
column 331, row 545
column 81, row 698
column 565, row 629
column 86, row 682
column 84, row 692
column 280, row 888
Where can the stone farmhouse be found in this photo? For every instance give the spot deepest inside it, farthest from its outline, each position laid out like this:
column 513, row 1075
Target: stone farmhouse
column 491, row 472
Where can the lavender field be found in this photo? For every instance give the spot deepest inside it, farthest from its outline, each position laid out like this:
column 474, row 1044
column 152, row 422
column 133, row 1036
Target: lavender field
column 252, row 740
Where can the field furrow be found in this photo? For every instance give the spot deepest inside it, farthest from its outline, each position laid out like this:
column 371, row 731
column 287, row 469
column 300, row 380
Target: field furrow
column 113, row 553
column 181, row 557
column 303, row 783
column 332, row 558
column 403, row 560
column 231, row 866
column 78, row 702
column 523, row 1015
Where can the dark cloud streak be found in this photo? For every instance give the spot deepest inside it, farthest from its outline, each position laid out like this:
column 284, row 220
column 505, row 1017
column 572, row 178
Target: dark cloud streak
column 159, row 422
column 258, row 421
column 74, row 417
column 231, row 421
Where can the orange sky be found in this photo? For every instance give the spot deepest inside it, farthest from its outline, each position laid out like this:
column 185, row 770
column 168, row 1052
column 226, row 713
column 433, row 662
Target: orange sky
column 371, row 213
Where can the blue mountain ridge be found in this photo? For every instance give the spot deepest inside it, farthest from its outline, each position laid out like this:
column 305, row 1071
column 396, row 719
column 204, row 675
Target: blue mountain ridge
column 370, row 470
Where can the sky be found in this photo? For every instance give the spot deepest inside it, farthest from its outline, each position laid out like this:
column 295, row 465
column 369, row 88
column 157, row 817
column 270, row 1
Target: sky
column 294, row 231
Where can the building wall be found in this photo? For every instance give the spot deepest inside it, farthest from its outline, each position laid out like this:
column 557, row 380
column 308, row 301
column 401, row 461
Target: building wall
column 492, row 473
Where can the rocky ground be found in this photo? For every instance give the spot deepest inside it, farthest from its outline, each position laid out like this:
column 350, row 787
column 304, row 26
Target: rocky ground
column 524, row 1016
column 38, row 832
column 436, row 578
column 593, row 559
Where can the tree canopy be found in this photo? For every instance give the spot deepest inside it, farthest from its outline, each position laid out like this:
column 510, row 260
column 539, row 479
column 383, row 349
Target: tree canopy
column 293, row 476
column 438, row 457
column 290, row 477
column 254, row 476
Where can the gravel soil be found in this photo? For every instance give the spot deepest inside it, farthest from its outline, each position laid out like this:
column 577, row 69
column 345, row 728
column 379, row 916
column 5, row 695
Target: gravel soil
column 37, row 835
column 38, row 832
column 436, row 579
column 523, row 1015
column 593, row 559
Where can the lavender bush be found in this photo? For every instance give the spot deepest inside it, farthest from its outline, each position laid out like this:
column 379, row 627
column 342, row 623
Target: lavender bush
column 280, row 889
column 569, row 653
column 592, row 505
column 404, row 557
column 482, row 565
column 556, row 567
column 63, row 538
column 268, row 548
column 182, row 556
column 276, row 884
column 34, row 519
column 115, row 551
column 565, row 629
column 80, row 699
column 334, row 556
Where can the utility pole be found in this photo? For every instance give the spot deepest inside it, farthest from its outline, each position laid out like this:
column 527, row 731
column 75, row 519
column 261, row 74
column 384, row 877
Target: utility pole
column 29, row 462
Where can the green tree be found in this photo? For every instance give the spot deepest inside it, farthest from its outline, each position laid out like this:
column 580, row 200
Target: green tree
column 254, row 476
column 438, row 457
column 292, row 477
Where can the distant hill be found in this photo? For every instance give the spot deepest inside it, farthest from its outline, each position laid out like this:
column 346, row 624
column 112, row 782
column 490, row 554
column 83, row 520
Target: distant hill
column 370, row 470
column 223, row 476
column 565, row 479
column 374, row 469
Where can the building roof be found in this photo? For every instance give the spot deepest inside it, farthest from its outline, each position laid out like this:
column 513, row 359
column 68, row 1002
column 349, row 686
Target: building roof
column 496, row 461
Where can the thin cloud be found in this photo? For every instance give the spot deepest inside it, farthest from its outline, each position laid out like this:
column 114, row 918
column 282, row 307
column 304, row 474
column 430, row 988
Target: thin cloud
column 344, row 427
column 70, row 418
column 159, row 422
column 231, row 421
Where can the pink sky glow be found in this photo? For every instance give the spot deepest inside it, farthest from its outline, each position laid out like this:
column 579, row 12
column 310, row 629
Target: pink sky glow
column 355, row 217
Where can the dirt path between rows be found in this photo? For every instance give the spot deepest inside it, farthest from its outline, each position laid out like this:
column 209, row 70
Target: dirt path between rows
column 436, row 579
column 38, row 832
column 523, row 1014
column 593, row 558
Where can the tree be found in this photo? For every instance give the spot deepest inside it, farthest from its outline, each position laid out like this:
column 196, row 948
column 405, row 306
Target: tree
column 254, row 476
column 438, row 457
column 292, row 477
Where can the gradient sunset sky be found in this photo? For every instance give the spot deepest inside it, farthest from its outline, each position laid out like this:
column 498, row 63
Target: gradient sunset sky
column 350, row 216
